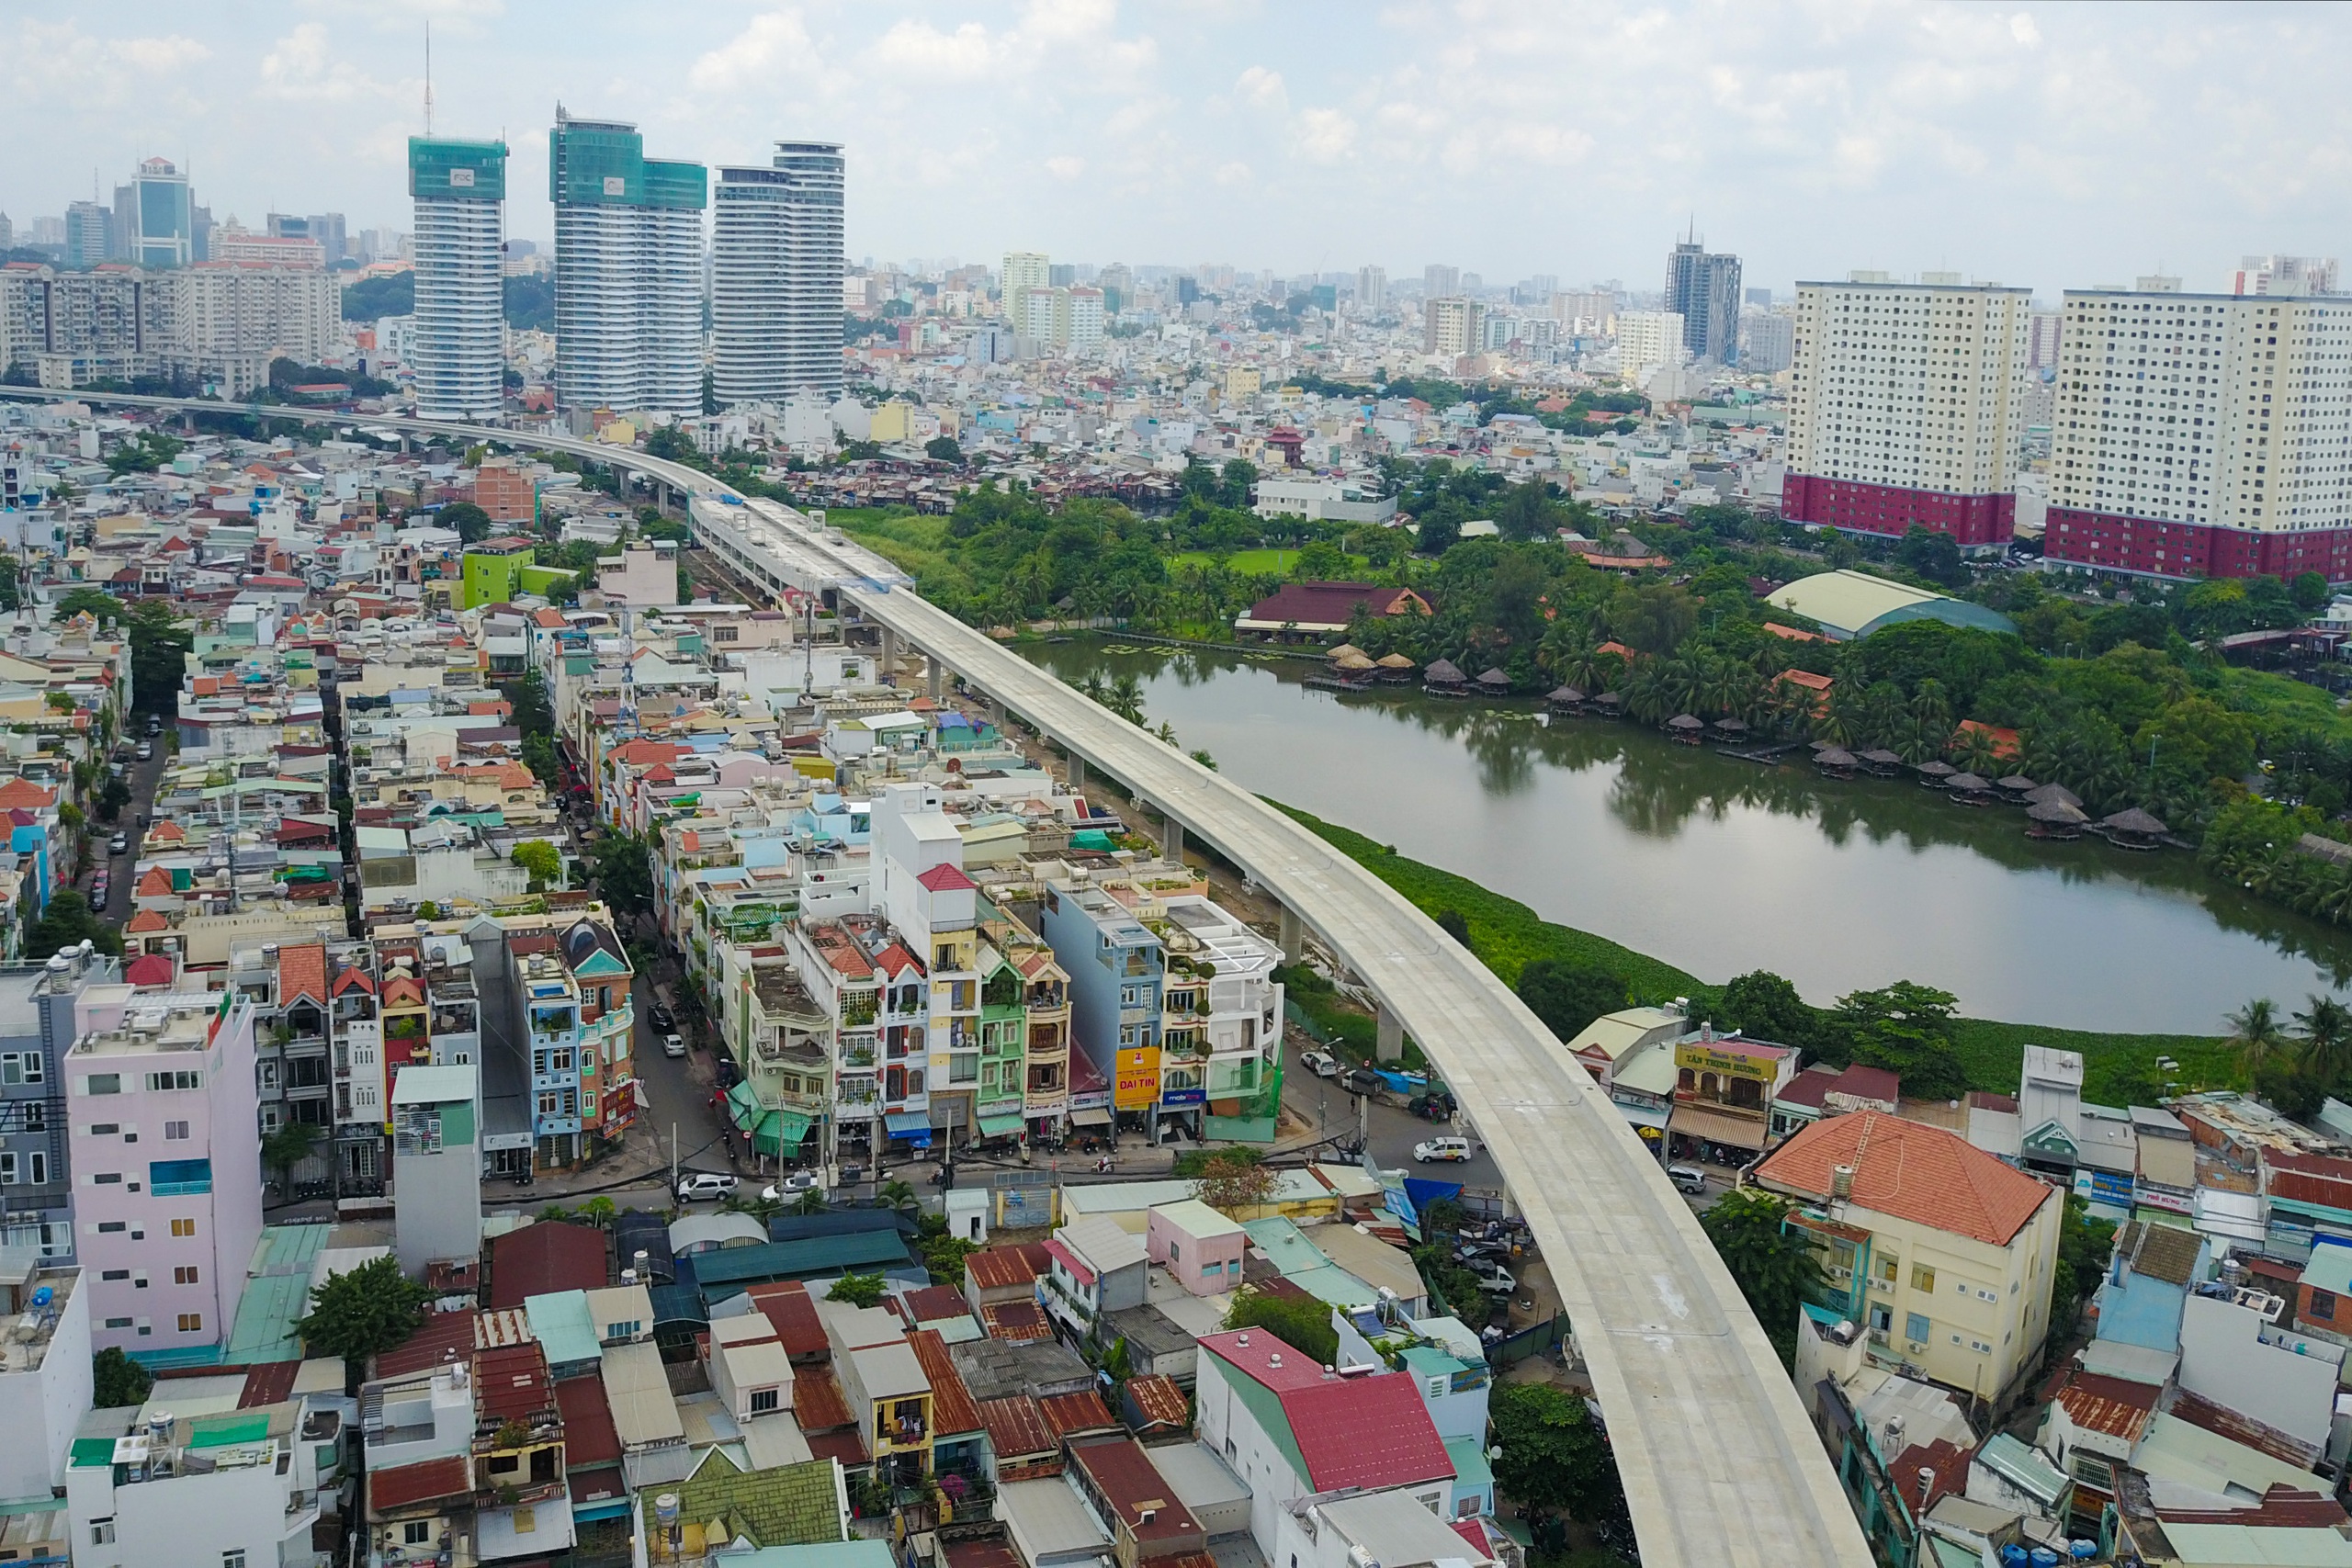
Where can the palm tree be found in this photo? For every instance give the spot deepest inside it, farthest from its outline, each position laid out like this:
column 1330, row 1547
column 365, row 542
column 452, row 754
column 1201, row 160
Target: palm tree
column 2255, row 1032
column 2326, row 1029
column 894, row 1195
column 1126, row 697
column 811, row 1202
column 1094, row 689
column 1977, row 751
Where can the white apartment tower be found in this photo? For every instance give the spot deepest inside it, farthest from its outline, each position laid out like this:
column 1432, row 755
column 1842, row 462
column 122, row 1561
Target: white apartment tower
column 628, row 270
column 459, row 188
column 1452, row 327
column 1372, row 289
column 1023, row 270
column 776, row 270
column 2203, row 434
column 1907, row 403
column 1648, row 340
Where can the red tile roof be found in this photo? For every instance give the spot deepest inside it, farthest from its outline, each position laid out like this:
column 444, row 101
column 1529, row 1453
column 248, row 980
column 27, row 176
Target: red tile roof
column 1016, row 1426
column 946, row 879
column 589, row 1436
column 793, row 1315
column 544, row 1257
column 1372, row 1432
column 1264, row 1358
column 1068, row 1414
column 302, row 972
column 1000, row 1269
column 952, row 1410
column 2110, row 1405
column 1910, row 1170
column 511, row 1381
column 1807, row 1088
column 445, row 1339
column 818, row 1402
column 933, row 1302
column 1334, row 603
column 154, row 971
column 429, row 1480
column 1159, row 1402
column 1946, row 1458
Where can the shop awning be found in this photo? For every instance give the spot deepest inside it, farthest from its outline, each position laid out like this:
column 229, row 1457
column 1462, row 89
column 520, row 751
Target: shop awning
column 1091, row 1116
column 1000, row 1126
column 743, row 1107
column 790, row 1127
column 1718, row 1126
column 912, row 1125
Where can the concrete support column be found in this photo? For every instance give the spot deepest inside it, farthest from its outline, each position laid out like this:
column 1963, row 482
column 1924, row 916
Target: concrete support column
column 1172, row 838
column 889, row 657
column 938, row 678
column 1391, row 1043
column 1076, row 770
column 1293, row 936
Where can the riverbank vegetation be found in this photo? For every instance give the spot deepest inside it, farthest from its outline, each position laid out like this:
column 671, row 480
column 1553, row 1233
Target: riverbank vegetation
column 1911, row 1028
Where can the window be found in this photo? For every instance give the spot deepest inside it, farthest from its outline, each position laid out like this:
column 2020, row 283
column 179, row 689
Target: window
column 2322, row 1306
column 35, row 1115
column 175, row 1130
column 182, row 1078
column 192, row 1323
column 105, row 1129
column 32, row 1166
column 21, row 1067
column 112, row 1275
column 183, row 1274
column 763, row 1401
column 1917, row 1328
column 107, row 1179
column 416, row 1532
column 1922, row 1276
column 101, row 1532
column 183, row 1227
column 234, row 1558
column 118, row 1322
column 103, row 1083
column 110, row 1227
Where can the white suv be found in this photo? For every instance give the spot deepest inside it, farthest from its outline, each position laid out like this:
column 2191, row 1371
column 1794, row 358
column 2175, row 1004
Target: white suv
column 1442, row 1149
column 706, row 1184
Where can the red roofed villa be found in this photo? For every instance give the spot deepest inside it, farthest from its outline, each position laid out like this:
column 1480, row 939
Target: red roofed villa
column 1314, row 611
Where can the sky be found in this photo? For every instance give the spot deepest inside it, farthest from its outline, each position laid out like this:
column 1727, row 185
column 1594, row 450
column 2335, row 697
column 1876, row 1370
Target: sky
column 2056, row 146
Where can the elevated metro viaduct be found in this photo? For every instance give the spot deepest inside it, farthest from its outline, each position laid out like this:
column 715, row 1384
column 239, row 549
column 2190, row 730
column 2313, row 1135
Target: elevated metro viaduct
column 1721, row 1468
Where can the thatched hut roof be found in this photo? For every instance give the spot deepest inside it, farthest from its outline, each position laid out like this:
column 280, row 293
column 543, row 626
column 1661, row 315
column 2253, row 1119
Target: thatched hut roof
column 1684, row 721
column 1833, row 757
column 1732, row 726
column 1443, row 673
column 1967, row 784
column 1394, row 661
column 1346, row 650
column 1937, row 768
column 2134, row 821
column 2056, row 792
column 1610, row 699
column 1566, row 696
column 1495, row 680
column 2056, row 812
column 1881, row 757
column 1354, row 661
column 2017, row 784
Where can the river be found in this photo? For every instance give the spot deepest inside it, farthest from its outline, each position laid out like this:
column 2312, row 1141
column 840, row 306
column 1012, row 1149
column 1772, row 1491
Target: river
column 1720, row 866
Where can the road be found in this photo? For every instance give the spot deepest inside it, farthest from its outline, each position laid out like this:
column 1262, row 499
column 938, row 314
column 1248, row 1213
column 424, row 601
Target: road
column 1719, row 1462
column 143, row 778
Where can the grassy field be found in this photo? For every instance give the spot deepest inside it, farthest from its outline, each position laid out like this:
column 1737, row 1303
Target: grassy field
column 2119, row 1069
column 908, row 540
column 1254, row 563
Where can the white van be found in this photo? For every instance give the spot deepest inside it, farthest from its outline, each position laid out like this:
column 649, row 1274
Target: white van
column 1441, row 1149
column 1688, row 1178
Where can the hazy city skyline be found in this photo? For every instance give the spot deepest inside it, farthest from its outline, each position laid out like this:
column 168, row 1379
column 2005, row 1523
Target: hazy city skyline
column 2035, row 146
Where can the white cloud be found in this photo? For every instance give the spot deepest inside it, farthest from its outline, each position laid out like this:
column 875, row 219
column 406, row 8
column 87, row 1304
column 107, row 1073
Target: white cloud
column 772, row 44
column 920, row 51
column 1262, row 87
column 303, row 66
column 1064, row 167
column 1325, row 136
column 2021, row 28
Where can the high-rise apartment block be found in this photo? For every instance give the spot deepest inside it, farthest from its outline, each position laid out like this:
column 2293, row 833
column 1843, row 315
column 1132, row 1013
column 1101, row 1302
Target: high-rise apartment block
column 776, row 269
column 162, row 1106
column 1906, row 405
column 88, row 234
column 1440, row 281
column 1702, row 287
column 629, row 258
column 459, row 188
column 1768, row 341
column 2044, row 329
column 1452, row 327
column 1648, row 340
column 232, row 318
column 2285, row 274
column 1371, row 289
column 1023, row 270
column 2203, row 434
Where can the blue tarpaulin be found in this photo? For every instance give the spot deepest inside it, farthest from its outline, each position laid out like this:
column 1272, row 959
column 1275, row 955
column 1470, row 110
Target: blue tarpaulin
column 1424, row 1192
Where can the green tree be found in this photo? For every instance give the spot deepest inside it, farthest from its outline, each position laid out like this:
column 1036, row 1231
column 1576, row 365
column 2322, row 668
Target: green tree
column 1763, row 1006
column 472, row 524
column 2256, row 1032
column 1567, row 996
column 1773, row 1264
column 1554, row 1458
column 67, row 922
column 2325, row 1048
column 160, row 644
column 542, row 859
column 859, row 1290
column 1934, row 556
column 600, row 1212
column 289, row 1146
column 86, row 601
column 1304, row 1324
column 1234, row 1179
column 2084, row 1246
column 118, row 1382
column 363, row 1311
column 1907, row 1029
column 623, row 875
column 894, row 1195
column 1529, row 512
column 1654, row 617
column 943, row 449
column 1455, row 924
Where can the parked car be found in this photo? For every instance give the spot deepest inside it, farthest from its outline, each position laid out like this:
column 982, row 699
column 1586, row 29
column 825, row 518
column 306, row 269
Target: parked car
column 154, row 724
column 1362, row 1080
column 146, row 749
column 662, row 1019
column 120, row 844
column 1493, row 1278
column 1436, row 1105
column 673, row 1045
column 795, row 1182
column 1441, row 1149
column 706, row 1184
column 1688, row 1178
column 1322, row 1063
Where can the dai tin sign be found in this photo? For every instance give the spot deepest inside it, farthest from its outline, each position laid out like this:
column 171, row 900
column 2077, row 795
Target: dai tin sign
column 1707, row 1059
column 1136, row 1087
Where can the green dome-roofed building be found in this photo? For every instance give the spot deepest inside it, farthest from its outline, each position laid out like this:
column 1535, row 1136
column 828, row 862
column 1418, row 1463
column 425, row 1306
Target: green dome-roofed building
column 1854, row 603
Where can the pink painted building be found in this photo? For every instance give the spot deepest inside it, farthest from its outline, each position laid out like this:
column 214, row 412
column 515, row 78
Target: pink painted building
column 1200, row 1248
column 164, row 1121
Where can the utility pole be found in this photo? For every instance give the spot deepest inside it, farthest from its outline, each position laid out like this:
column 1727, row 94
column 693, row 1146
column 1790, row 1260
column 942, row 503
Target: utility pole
column 673, row 1159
